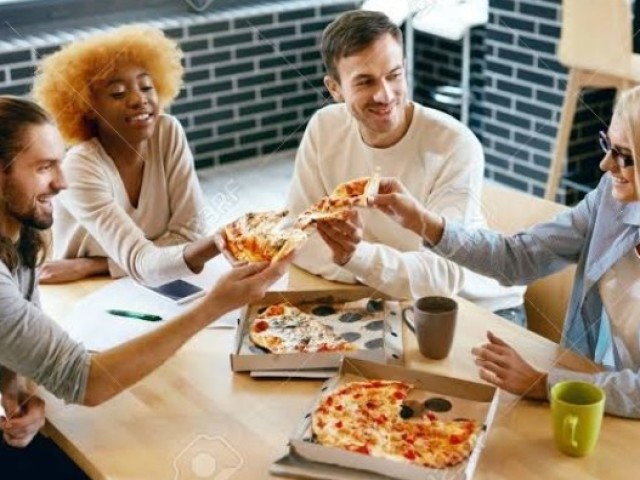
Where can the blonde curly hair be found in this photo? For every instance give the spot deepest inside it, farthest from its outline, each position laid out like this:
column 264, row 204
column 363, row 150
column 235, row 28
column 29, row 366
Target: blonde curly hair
column 64, row 79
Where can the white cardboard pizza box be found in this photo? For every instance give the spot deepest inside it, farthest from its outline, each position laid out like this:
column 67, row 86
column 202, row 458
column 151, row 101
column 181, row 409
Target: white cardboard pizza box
column 471, row 400
column 387, row 335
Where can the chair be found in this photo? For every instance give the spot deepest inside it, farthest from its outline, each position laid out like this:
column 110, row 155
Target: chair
column 508, row 211
column 596, row 45
column 396, row 10
column 451, row 20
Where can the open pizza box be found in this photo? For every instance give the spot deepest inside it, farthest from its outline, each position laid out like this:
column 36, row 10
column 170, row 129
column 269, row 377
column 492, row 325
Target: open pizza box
column 469, row 400
column 361, row 316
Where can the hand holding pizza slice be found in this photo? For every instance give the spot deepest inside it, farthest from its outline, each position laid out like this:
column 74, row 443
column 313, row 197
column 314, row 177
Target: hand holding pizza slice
column 261, row 236
column 257, row 237
column 344, row 197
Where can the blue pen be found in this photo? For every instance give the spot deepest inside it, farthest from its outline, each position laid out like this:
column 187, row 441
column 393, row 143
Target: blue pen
column 140, row 316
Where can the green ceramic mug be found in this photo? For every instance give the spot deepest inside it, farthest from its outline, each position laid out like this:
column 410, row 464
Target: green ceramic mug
column 576, row 410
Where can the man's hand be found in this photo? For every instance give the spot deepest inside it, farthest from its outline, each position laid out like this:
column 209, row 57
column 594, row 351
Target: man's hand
column 24, row 417
column 70, row 270
column 502, row 366
column 247, row 283
column 342, row 236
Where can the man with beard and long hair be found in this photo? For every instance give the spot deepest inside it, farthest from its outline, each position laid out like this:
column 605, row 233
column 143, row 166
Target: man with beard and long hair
column 374, row 125
column 32, row 346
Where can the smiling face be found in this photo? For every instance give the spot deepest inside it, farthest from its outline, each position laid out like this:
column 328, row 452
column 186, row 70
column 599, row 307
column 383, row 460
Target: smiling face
column 33, row 178
column 125, row 106
column 624, row 181
column 373, row 86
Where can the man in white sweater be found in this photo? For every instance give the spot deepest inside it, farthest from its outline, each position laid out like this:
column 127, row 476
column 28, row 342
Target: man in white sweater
column 374, row 125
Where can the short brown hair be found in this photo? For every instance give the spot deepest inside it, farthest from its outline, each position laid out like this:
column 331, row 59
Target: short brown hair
column 63, row 81
column 353, row 32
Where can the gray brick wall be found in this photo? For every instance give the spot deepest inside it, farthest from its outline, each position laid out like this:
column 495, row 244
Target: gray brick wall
column 253, row 76
column 518, row 88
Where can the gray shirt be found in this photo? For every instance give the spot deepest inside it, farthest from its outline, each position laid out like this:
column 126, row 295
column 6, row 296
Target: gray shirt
column 33, row 345
column 595, row 235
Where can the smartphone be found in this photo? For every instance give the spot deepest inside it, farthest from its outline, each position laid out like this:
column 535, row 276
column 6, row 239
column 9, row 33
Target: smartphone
column 179, row 291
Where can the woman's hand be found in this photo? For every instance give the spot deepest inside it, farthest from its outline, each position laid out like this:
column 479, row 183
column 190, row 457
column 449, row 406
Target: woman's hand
column 394, row 200
column 72, row 269
column 503, row 367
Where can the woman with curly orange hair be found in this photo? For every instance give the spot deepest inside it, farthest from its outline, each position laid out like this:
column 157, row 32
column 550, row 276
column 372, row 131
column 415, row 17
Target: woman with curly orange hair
column 133, row 205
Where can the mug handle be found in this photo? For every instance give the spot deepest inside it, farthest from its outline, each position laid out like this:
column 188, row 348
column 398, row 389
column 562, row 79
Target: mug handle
column 409, row 321
column 570, row 423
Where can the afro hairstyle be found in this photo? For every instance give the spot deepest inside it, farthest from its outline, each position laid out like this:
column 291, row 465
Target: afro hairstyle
column 64, row 79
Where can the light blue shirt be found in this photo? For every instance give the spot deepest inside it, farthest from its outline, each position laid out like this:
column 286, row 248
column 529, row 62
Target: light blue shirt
column 595, row 234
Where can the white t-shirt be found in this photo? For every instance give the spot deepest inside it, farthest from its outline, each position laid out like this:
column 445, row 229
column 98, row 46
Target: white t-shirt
column 94, row 216
column 620, row 292
column 440, row 162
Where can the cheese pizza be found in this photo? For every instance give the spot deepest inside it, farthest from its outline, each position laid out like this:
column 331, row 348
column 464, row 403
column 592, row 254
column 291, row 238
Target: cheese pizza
column 358, row 189
column 364, row 417
column 283, row 328
column 255, row 237
column 337, row 205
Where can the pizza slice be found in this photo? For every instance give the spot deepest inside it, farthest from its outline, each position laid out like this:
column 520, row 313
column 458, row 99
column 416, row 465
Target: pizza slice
column 345, row 196
column 283, row 328
column 325, row 209
column 256, row 237
column 359, row 188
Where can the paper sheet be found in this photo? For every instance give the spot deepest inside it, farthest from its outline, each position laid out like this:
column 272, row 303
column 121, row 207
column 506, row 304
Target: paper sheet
column 90, row 323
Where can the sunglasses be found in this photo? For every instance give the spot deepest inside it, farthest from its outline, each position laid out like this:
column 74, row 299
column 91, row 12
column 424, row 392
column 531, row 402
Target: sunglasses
column 621, row 159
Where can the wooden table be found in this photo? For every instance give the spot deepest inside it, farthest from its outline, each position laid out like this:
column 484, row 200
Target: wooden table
column 161, row 427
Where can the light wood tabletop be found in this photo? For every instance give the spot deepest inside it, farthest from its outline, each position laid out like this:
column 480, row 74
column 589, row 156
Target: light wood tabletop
column 166, row 426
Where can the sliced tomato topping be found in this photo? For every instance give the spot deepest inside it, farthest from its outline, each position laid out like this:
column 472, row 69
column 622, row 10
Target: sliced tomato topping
column 456, row 439
column 362, row 449
column 410, row 455
column 275, row 310
column 399, row 394
column 261, row 326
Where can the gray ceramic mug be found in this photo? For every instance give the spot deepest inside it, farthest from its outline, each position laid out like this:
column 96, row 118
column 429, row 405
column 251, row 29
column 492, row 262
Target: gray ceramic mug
column 433, row 320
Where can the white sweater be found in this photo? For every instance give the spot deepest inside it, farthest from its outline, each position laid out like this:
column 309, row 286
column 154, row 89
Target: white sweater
column 440, row 162
column 94, row 217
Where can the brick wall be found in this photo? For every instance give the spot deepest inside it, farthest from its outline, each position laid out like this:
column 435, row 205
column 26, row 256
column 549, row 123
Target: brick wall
column 518, row 88
column 253, row 75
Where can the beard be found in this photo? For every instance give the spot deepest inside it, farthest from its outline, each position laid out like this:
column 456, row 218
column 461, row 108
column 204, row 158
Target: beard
column 34, row 220
column 24, row 209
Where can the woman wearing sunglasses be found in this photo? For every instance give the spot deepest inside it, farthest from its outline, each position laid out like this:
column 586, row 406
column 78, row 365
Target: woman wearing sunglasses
column 601, row 235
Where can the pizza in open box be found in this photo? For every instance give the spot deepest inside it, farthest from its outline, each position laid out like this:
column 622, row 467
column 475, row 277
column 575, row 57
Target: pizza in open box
column 283, row 328
column 364, row 417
